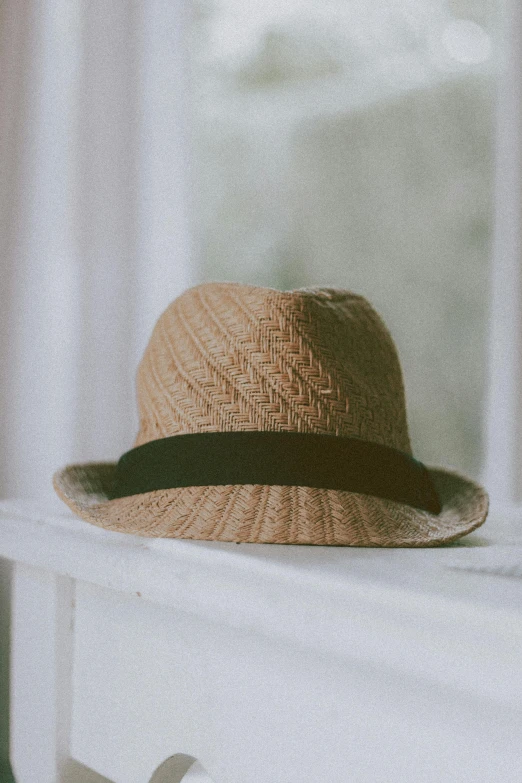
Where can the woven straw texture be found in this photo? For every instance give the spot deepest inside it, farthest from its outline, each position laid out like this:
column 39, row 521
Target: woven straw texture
column 229, row 357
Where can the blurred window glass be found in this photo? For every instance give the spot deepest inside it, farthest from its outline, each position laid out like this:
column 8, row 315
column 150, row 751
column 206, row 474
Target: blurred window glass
column 349, row 143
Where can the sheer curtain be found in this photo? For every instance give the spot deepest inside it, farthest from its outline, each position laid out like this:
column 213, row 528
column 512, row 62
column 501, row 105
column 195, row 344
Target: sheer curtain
column 95, row 234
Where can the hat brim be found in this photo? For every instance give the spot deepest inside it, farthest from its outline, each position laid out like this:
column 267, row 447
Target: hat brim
column 251, row 513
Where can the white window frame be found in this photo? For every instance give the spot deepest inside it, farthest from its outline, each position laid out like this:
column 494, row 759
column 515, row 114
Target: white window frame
column 502, row 474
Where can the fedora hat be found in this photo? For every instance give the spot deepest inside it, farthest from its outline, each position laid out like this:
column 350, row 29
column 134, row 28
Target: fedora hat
column 273, row 417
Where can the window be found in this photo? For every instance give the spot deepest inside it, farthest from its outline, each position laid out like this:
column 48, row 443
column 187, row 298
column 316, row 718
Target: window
column 350, row 143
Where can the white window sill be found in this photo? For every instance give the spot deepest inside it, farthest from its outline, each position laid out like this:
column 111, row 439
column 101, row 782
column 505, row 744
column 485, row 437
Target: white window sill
column 314, row 596
column 404, row 612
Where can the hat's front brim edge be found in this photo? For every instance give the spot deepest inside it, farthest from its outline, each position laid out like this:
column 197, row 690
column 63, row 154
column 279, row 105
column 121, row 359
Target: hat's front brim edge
column 278, row 515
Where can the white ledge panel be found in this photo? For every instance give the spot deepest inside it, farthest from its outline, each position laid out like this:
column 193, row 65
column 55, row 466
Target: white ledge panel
column 461, row 629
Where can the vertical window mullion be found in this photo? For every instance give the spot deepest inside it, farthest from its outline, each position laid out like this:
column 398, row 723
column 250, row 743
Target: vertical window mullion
column 502, row 472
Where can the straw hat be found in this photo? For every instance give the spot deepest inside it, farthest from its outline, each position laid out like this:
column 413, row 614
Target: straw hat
column 273, row 417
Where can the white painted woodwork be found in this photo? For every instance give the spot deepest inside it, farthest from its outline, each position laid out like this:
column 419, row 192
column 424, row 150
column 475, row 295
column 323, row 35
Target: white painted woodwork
column 95, row 233
column 41, row 647
column 502, row 473
column 95, row 236
column 166, row 262
column 265, row 663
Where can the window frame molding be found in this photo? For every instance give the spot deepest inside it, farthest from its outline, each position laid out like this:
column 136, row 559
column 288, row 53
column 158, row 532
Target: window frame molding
column 502, row 470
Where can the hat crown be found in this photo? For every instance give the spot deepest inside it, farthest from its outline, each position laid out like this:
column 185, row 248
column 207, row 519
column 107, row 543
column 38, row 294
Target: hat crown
column 230, row 357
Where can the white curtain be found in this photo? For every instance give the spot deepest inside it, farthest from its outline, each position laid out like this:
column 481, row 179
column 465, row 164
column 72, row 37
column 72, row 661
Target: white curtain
column 95, row 234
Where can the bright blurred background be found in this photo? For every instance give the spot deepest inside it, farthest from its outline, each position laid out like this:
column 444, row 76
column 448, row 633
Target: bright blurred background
column 349, row 143
column 146, row 146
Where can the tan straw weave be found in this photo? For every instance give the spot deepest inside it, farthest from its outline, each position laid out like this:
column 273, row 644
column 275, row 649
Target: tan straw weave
column 226, row 357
